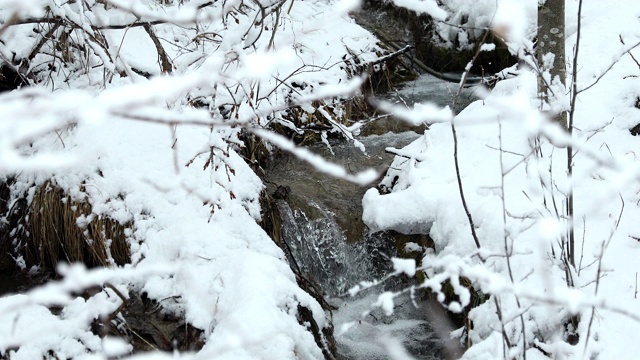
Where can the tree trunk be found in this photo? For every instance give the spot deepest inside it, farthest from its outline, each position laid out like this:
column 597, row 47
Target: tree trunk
column 551, row 40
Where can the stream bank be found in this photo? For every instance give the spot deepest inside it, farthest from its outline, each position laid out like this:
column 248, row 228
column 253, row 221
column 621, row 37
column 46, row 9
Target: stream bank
column 398, row 27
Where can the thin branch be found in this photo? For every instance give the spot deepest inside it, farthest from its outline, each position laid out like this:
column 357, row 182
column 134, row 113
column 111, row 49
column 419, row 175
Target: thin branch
column 61, row 21
column 507, row 251
column 572, row 111
column 455, row 144
column 628, row 51
column 504, row 151
column 390, row 56
column 584, row 232
column 165, row 64
column 48, row 36
column 630, row 54
column 593, row 309
column 505, row 337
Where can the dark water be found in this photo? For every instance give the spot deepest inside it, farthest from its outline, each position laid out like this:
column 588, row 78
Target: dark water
column 322, row 223
column 10, row 284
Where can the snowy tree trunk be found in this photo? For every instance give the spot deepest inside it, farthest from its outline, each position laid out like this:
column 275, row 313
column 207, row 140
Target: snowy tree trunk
column 551, row 87
column 551, row 41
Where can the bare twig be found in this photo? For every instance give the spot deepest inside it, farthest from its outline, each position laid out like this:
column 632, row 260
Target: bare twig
column 165, row 63
column 584, row 231
column 455, row 144
column 593, row 309
column 506, row 343
column 630, row 54
column 391, row 56
column 628, row 51
column 507, row 250
column 574, row 96
column 122, row 305
column 61, row 21
column 605, row 244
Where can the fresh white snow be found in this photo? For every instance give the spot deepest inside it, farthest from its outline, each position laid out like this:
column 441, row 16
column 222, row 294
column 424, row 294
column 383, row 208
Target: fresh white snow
column 515, row 196
column 135, row 150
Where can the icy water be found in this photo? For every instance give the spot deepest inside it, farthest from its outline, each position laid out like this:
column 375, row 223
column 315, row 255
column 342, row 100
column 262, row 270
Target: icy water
column 427, row 88
column 322, row 223
column 338, row 254
column 322, row 226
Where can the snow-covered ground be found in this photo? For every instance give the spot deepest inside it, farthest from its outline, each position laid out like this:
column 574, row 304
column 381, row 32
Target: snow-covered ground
column 513, row 169
column 107, row 134
column 133, row 148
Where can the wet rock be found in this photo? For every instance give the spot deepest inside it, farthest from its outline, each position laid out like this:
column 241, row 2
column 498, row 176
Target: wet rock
column 282, row 193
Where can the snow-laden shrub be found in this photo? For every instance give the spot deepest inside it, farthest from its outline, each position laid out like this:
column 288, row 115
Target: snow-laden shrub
column 137, row 108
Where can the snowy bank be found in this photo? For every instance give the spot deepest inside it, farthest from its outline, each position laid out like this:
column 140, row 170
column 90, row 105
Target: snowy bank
column 513, row 171
column 146, row 124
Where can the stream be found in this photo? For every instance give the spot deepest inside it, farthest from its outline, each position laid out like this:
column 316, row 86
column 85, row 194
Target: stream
column 322, row 225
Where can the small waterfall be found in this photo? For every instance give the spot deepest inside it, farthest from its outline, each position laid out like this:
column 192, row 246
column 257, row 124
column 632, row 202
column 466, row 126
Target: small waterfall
column 322, row 219
column 320, row 249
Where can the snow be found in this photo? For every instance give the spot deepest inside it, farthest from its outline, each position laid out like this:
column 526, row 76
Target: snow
column 132, row 148
column 406, row 266
column 515, row 197
column 511, row 20
column 421, row 113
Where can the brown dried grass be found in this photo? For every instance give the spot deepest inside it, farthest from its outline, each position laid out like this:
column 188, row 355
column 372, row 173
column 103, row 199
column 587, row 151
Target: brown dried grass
column 6, row 261
column 55, row 235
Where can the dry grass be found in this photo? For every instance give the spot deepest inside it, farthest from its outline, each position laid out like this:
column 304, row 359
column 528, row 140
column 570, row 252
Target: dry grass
column 55, row 235
column 6, row 261
column 271, row 221
column 255, row 152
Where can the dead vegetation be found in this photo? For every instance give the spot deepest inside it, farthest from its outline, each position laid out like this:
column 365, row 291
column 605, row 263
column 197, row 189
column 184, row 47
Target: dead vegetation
column 64, row 229
column 147, row 327
column 6, row 261
column 331, row 117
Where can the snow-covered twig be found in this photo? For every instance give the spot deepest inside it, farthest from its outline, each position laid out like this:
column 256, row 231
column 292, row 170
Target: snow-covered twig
column 613, row 63
column 363, row 178
column 507, row 250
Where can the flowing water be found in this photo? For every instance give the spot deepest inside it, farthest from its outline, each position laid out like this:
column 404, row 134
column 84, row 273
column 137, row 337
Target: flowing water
column 329, row 243
column 322, row 222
